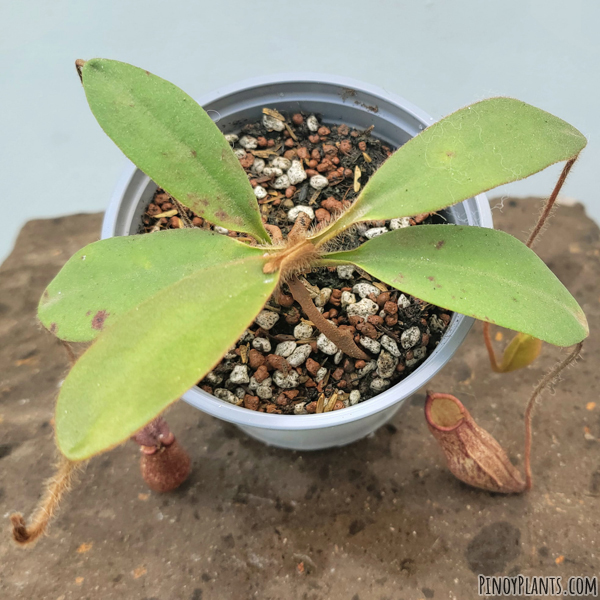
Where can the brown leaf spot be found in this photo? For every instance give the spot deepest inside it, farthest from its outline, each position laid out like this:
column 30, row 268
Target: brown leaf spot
column 98, row 320
column 53, row 328
column 194, row 153
column 440, row 244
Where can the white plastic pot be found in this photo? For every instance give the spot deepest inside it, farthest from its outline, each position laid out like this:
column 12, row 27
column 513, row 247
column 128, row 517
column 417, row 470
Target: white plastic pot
column 338, row 100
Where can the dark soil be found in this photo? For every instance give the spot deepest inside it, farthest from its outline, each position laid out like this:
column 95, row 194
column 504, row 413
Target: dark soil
column 323, row 381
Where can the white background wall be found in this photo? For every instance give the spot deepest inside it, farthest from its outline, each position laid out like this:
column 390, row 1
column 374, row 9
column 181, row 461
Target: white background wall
column 439, row 54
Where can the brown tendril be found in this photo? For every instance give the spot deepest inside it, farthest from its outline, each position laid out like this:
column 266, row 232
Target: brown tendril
column 550, row 377
column 56, row 487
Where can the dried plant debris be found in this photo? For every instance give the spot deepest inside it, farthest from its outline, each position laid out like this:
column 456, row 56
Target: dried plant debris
column 282, row 364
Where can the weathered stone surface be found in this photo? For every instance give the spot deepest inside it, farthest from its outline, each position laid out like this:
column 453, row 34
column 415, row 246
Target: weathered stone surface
column 251, row 514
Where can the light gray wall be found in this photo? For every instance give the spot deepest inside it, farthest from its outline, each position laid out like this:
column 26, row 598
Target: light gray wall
column 439, row 54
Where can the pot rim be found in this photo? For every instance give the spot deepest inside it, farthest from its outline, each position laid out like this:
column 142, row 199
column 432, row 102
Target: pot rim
column 451, row 340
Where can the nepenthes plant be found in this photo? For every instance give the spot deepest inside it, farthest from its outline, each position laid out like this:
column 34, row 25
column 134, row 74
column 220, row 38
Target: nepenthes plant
column 189, row 294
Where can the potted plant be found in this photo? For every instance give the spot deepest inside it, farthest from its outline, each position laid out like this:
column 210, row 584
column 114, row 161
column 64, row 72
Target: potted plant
column 163, row 309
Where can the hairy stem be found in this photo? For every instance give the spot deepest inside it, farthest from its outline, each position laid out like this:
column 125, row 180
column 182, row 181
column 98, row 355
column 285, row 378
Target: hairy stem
column 56, row 487
column 550, row 202
column 547, row 380
column 342, row 340
column 490, row 348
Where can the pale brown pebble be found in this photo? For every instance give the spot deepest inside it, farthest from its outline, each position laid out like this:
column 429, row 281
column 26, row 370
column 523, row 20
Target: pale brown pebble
column 382, row 299
column 362, row 146
column 311, row 407
column 251, row 402
column 293, row 317
column 197, row 221
column 282, row 400
column 272, row 409
column 339, row 404
column 368, row 330
column 303, row 153
column 270, row 143
column 289, row 143
column 255, row 359
column 285, row 300
column 348, row 173
column 375, row 320
column 391, row 320
column 277, row 362
column 332, row 205
column 289, row 192
column 297, row 119
column 262, row 141
column 290, row 154
column 261, row 373
column 323, row 131
column 247, row 160
column 345, row 146
column 311, row 172
column 330, row 150
column 322, row 215
column 314, row 139
column 390, row 308
column 338, row 374
column 312, row 366
column 153, row 209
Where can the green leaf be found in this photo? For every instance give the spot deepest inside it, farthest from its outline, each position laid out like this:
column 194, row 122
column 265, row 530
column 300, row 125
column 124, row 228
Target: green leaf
column 172, row 139
column 520, row 353
column 479, row 272
column 111, row 276
column 473, row 150
column 154, row 353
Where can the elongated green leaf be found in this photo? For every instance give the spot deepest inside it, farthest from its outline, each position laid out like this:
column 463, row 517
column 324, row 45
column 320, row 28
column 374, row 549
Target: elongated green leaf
column 109, row 277
column 473, row 150
column 155, row 352
column 479, row 272
column 172, row 139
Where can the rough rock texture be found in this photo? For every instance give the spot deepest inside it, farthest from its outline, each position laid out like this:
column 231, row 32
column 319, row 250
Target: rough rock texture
column 380, row 519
